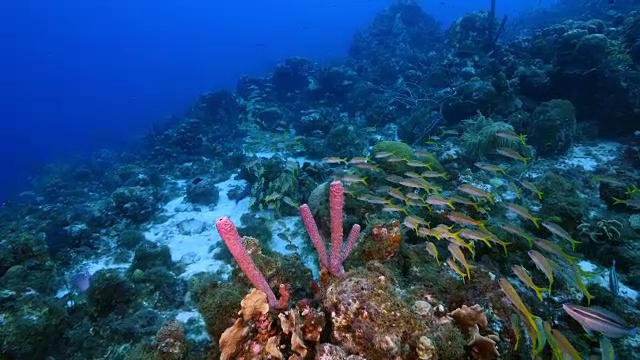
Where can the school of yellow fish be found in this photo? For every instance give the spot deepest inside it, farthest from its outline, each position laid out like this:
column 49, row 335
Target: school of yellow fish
column 419, row 190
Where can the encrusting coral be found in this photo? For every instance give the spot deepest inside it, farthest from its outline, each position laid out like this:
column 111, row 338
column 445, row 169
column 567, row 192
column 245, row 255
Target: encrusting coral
column 370, row 320
column 171, row 341
column 382, row 242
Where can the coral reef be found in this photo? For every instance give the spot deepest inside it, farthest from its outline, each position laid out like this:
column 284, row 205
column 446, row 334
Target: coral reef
column 469, row 155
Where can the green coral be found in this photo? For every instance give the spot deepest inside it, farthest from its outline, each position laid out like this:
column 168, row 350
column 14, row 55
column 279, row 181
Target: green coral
column 619, row 56
column 150, row 255
column 32, row 327
column 479, row 138
column 109, row 291
column 319, row 201
column 552, row 127
column 130, row 238
column 397, row 148
column 26, row 264
column 450, row 343
column 217, row 303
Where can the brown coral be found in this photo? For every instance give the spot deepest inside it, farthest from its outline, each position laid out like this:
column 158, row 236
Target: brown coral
column 297, row 345
column 466, row 317
column 273, row 349
column 253, row 305
column 381, row 243
column 483, row 347
column 470, row 320
column 313, row 321
column 291, row 325
column 232, row 339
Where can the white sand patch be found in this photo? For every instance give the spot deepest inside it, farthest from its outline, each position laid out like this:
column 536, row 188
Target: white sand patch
column 185, row 316
column 589, row 157
column 190, row 232
column 197, row 331
column 191, row 235
column 105, row 262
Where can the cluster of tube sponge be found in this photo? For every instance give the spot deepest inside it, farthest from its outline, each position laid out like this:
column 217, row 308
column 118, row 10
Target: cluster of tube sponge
column 333, row 263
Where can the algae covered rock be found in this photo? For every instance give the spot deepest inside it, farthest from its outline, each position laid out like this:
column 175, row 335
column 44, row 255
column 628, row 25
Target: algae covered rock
column 634, row 222
column 370, row 320
column 470, row 34
column 591, row 50
column 149, row 255
column 552, row 127
column 32, row 326
column 202, row 190
column 135, row 203
column 109, row 291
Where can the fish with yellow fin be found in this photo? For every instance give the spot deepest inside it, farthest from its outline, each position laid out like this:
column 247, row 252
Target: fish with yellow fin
column 517, row 302
column 452, row 264
column 526, row 279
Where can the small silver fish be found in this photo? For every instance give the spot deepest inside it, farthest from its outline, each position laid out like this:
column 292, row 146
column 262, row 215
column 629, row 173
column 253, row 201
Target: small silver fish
column 291, row 247
column 614, row 283
column 283, row 236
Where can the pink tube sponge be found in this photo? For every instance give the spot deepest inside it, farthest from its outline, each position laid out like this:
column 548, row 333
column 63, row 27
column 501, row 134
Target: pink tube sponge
column 338, row 255
column 232, row 239
column 312, row 229
column 336, row 206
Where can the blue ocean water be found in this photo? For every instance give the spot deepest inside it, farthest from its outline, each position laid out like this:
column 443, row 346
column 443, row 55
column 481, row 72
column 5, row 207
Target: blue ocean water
column 365, row 179
column 82, row 75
